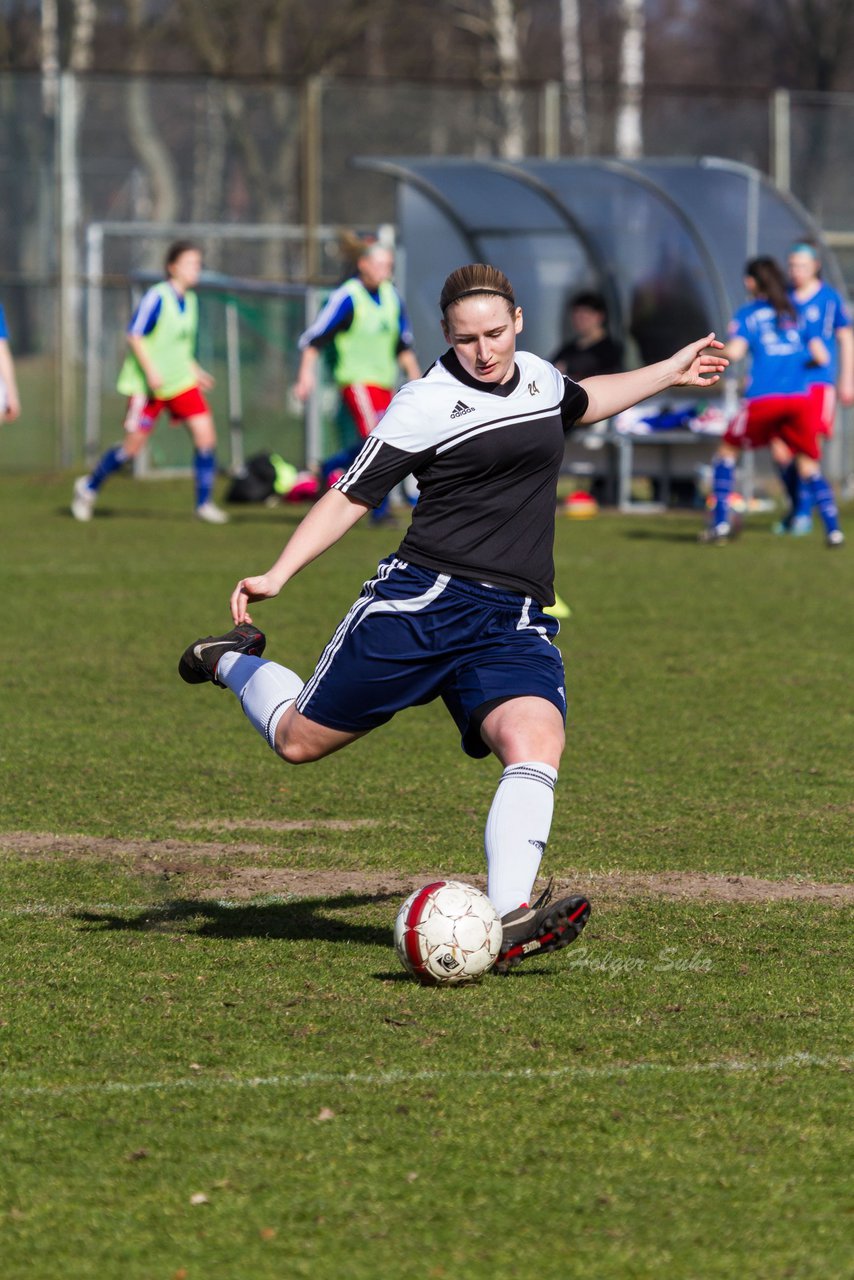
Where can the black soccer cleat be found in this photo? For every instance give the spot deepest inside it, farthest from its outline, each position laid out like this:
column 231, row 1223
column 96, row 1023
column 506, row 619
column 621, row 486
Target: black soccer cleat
column 545, row 926
column 199, row 661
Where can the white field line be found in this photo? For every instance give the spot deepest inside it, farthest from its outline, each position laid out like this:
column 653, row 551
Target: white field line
column 393, row 1079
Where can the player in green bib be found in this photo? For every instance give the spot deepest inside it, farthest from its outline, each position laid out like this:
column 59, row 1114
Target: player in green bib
column 366, row 324
column 160, row 372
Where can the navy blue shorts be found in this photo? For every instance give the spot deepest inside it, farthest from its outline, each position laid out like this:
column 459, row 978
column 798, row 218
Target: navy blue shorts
column 414, row 635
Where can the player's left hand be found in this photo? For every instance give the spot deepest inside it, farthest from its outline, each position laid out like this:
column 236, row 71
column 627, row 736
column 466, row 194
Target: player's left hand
column 846, row 393
column 250, row 591
column 699, row 364
column 206, row 380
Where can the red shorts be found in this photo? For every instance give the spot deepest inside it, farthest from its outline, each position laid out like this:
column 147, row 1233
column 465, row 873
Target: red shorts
column 792, row 419
column 143, row 411
column 366, row 404
column 824, row 399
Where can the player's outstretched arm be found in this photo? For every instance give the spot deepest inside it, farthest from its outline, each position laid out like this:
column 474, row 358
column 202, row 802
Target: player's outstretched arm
column 845, row 339
column 328, row 520
column 7, row 379
column 306, row 374
column 700, row 364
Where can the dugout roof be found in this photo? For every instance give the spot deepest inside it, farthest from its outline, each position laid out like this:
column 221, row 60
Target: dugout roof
column 664, row 240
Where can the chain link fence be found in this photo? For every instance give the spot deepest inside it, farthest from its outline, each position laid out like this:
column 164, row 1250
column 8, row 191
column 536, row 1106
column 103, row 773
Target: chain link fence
column 144, row 149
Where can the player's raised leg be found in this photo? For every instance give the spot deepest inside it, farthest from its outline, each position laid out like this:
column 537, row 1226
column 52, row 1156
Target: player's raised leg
column 266, row 692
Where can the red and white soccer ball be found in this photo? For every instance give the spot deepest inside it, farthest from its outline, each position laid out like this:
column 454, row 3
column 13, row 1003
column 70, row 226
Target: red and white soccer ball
column 447, row 933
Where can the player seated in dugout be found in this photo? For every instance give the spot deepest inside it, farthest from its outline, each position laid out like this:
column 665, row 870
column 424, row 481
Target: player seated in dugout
column 591, row 349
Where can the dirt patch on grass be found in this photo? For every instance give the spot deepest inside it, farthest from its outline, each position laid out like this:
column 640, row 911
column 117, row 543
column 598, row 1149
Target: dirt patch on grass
column 192, row 861
column 302, row 824
column 702, row 886
column 248, row 882
column 174, row 857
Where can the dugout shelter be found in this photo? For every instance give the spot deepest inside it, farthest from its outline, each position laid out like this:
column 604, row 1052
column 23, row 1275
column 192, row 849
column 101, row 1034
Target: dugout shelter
column 665, row 241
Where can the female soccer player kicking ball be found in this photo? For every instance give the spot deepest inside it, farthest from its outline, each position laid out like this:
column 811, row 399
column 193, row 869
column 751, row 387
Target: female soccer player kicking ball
column 457, row 612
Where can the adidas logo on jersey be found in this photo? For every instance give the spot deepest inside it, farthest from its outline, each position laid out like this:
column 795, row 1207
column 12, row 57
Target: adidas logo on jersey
column 459, row 409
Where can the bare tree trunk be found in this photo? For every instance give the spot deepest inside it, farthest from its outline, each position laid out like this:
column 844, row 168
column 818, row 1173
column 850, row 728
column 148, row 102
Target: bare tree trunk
column 512, row 141
column 572, row 65
column 440, row 39
column 154, row 156
column 151, row 151
column 209, row 156
column 629, row 130
column 82, row 35
column 822, row 35
column 50, row 56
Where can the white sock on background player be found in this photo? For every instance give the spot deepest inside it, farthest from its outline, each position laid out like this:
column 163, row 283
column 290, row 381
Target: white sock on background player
column 517, row 831
column 265, row 689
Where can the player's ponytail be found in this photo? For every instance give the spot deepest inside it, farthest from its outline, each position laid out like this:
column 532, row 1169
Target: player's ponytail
column 353, row 247
column 467, row 282
column 771, row 284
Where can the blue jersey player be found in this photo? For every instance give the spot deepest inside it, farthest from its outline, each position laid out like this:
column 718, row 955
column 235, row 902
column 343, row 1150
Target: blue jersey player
column 779, row 406
column 823, row 310
column 457, row 612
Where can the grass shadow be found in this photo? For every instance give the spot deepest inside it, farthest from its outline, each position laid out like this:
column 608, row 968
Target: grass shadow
column 307, row 919
column 514, row 974
column 681, row 535
column 129, row 513
column 662, row 535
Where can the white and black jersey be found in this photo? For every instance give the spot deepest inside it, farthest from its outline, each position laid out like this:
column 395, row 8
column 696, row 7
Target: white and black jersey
column 487, row 459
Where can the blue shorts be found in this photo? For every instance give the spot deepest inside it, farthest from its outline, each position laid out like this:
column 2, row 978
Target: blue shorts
column 414, row 635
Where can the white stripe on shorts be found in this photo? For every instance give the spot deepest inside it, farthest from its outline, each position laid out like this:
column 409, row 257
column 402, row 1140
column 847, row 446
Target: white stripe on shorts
column 525, row 624
column 359, row 611
column 340, row 632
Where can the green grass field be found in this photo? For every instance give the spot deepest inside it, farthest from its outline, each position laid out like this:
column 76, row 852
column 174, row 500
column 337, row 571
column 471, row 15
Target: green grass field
column 213, row 1067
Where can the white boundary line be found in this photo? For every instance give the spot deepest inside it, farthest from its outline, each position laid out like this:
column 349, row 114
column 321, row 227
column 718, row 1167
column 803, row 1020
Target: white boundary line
column 388, row 1079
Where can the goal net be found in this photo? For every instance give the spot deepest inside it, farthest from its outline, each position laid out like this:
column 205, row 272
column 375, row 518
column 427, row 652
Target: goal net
column 249, row 329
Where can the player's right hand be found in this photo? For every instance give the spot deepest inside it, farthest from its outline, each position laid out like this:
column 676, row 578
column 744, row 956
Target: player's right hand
column 247, row 591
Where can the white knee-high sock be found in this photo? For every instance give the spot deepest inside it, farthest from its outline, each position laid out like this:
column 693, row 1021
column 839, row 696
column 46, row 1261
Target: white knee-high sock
column 265, row 689
column 517, row 831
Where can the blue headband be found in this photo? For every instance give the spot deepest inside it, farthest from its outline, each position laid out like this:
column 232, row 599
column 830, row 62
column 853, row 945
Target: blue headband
column 802, row 247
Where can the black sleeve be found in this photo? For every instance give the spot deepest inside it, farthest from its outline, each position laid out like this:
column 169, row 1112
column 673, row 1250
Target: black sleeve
column 573, row 405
